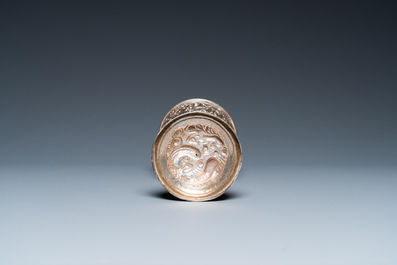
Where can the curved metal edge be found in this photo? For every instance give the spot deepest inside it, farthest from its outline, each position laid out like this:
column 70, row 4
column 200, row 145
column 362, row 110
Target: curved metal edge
column 169, row 117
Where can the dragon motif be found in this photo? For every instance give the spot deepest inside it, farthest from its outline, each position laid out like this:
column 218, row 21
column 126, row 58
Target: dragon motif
column 196, row 154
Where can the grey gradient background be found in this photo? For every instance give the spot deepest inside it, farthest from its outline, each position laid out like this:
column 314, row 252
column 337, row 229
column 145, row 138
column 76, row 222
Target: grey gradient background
column 311, row 87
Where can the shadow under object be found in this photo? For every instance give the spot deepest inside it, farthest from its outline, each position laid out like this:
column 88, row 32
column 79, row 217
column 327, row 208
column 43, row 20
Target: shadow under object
column 162, row 194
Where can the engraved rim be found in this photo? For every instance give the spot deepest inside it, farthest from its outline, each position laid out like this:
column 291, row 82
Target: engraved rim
column 198, row 105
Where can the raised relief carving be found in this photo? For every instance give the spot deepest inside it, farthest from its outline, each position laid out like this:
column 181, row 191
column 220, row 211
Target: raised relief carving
column 196, row 154
column 198, row 107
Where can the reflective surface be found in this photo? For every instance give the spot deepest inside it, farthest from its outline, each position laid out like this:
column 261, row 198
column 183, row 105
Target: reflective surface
column 196, row 155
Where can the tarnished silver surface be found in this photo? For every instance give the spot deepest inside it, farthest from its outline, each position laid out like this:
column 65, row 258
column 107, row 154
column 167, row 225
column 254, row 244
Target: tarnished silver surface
column 196, row 155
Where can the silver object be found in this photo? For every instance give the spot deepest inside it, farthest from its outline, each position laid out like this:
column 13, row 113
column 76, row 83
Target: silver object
column 197, row 155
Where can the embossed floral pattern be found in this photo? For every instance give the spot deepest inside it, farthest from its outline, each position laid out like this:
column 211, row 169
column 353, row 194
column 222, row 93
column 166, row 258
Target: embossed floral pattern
column 198, row 107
